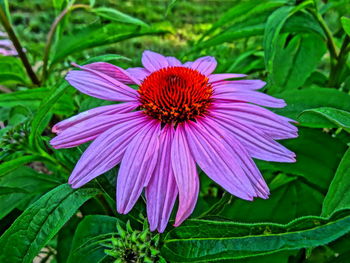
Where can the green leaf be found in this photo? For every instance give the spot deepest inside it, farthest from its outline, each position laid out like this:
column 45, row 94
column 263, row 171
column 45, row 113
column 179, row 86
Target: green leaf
column 97, row 35
column 310, row 98
column 4, row 5
column 346, row 24
column 116, row 15
column 244, row 11
column 11, row 70
column 43, row 115
column 338, row 196
column 29, row 182
column 338, row 117
column 206, row 240
column 294, row 60
column 273, row 28
column 233, row 34
column 41, row 222
column 29, row 98
column 84, row 248
column 105, row 58
column 300, row 186
column 5, row 190
column 12, row 165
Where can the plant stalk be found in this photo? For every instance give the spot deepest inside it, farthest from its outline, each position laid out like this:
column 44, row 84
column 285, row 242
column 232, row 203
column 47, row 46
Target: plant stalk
column 8, row 28
column 51, row 34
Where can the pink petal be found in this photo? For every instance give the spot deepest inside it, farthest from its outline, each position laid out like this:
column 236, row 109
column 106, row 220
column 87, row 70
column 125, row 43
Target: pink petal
column 99, row 111
column 258, row 144
column 99, row 85
column 137, row 166
column 188, row 64
column 273, row 125
column 219, row 77
column 250, row 96
column 235, row 85
column 153, row 61
column 106, row 151
column 218, row 162
column 173, row 62
column 205, row 65
column 89, row 129
column 113, row 72
column 238, row 152
column 186, row 175
column 138, row 73
column 161, row 191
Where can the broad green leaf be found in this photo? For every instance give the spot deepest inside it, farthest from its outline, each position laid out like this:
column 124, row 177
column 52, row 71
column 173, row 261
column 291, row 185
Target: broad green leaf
column 274, row 26
column 346, row 24
column 12, row 165
column 29, row 182
column 206, row 240
column 6, row 190
column 43, row 115
column 84, row 248
column 11, row 70
column 310, row 98
column 294, row 61
column 40, row 222
column 233, row 34
column 97, row 35
column 339, row 117
column 116, row 15
column 300, row 186
column 338, row 196
column 29, row 98
column 244, row 11
column 314, row 164
column 105, row 58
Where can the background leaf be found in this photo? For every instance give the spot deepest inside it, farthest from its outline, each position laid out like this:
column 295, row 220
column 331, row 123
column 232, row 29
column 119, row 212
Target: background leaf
column 40, row 222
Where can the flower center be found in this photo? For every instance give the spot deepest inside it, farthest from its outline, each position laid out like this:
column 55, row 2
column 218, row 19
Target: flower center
column 175, row 94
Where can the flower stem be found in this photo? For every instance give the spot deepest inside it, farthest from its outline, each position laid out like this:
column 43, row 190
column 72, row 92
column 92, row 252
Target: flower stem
column 51, row 34
column 7, row 26
column 330, row 41
column 341, row 60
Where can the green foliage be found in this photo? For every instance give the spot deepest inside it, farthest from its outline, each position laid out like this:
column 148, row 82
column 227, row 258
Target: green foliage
column 300, row 48
column 40, row 222
column 205, row 240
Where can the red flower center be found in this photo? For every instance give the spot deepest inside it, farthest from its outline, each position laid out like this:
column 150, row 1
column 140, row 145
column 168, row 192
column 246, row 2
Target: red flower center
column 175, row 94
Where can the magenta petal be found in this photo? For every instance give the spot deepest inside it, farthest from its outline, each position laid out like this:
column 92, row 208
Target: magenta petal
column 113, row 72
column 186, row 175
column 99, row 85
column 218, row 162
column 173, row 62
column 161, row 192
column 106, row 151
column 139, row 73
column 137, row 166
column 205, row 65
column 228, row 86
column 250, row 96
column 258, row 144
column 99, row 111
column 220, row 77
column 153, row 61
column 273, row 125
column 236, row 150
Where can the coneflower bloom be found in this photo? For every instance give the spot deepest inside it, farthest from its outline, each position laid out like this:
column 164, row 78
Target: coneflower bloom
column 179, row 116
column 6, row 46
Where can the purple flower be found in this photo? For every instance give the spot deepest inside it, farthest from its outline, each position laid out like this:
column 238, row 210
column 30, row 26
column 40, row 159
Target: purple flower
column 181, row 115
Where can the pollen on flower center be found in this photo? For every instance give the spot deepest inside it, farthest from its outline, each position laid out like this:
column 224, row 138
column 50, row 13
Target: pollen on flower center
column 175, row 94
